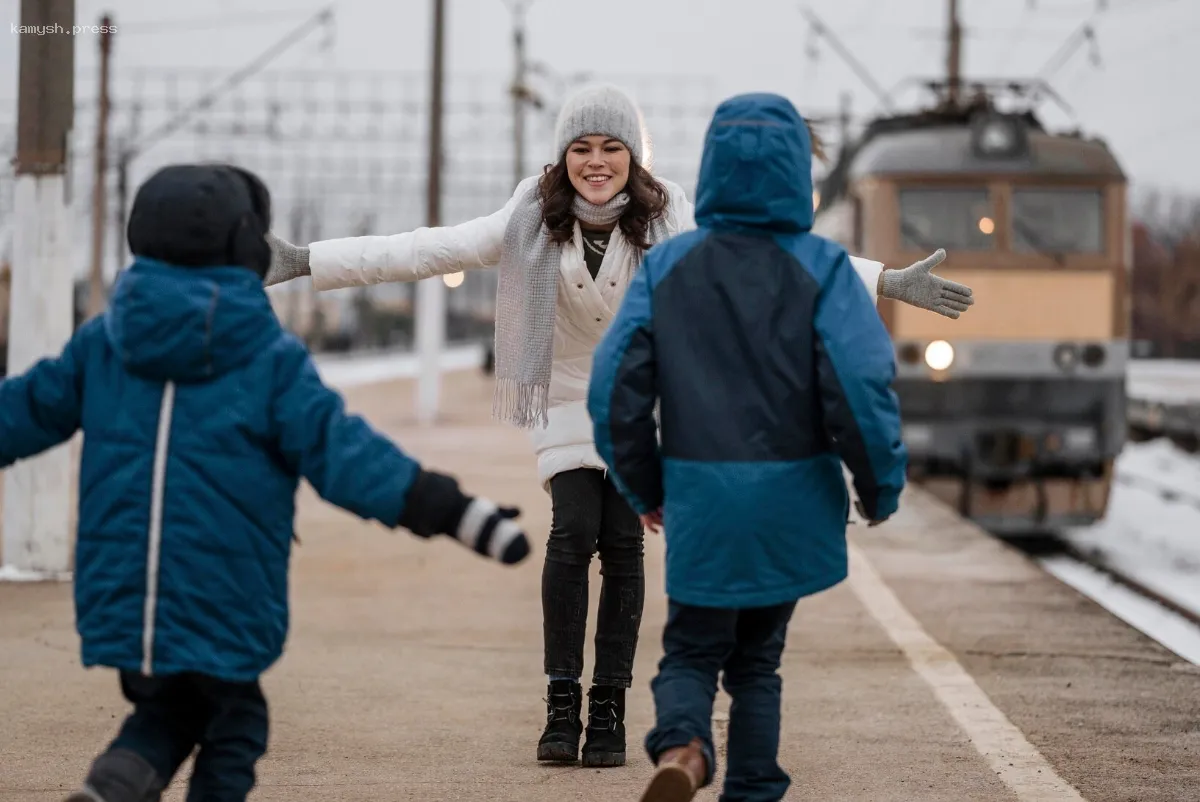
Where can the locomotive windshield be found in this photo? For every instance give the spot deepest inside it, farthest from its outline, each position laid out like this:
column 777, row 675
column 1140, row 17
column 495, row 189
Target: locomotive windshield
column 956, row 219
column 1043, row 220
column 1058, row 220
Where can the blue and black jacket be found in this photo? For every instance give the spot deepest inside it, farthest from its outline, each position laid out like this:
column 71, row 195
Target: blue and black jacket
column 771, row 367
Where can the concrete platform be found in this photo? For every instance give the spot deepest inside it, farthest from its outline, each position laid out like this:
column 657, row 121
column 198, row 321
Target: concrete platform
column 949, row 668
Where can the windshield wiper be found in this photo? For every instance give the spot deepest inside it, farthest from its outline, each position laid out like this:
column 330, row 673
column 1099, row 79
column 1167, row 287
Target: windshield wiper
column 915, row 235
column 1034, row 239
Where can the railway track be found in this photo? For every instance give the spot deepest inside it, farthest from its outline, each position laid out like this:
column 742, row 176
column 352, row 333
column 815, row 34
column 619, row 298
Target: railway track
column 1167, row 492
column 1173, row 625
column 1098, row 563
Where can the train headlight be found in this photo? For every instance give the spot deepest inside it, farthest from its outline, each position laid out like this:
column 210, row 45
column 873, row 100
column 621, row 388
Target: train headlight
column 1079, row 438
column 939, row 355
column 917, row 436
column 1066, row 356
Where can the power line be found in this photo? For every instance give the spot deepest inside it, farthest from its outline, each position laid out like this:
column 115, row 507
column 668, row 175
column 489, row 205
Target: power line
column 195, row 24
column 1017, row 35
column 1084, row 33
column 819, row 28
column 322, row 18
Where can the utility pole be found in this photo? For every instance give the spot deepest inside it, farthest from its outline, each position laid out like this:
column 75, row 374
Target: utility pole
column 96, row 293
column 954, row 56
column 37, row 492
column 431, row 292
column 520, row 88
column 844, row 118
column 124, row 157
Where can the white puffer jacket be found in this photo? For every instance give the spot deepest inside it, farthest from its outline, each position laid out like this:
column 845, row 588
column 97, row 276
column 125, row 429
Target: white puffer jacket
column 585, row 306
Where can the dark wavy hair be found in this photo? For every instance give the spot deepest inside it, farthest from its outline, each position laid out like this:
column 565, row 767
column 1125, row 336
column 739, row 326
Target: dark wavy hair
column 647, row 203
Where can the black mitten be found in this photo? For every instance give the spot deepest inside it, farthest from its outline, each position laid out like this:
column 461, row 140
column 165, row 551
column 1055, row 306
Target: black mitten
column 436, row 506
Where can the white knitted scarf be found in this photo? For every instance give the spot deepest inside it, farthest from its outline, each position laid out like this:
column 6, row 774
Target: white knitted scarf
column 527, row 303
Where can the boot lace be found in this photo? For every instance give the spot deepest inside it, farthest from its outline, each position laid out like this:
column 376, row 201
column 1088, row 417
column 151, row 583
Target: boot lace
column 602, row 714
column 560, row 712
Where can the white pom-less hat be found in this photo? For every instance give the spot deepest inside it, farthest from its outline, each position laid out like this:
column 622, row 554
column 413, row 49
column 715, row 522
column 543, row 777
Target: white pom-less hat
column 602, row 110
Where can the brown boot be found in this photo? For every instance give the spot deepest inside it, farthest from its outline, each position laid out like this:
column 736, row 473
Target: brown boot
column 681, row 772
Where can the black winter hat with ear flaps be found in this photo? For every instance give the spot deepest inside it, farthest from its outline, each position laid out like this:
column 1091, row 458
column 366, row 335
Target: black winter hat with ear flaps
column 202, row 215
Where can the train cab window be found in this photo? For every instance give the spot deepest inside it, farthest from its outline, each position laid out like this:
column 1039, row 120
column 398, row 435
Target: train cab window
column 1058, row 220
column 955, row 219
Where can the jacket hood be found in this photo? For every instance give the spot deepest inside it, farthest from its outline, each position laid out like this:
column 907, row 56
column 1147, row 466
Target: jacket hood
column 756, row 172
column 188, row 324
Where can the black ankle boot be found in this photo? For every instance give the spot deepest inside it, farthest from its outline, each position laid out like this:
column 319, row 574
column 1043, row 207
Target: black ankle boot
column 605, row 745
column 560, row 741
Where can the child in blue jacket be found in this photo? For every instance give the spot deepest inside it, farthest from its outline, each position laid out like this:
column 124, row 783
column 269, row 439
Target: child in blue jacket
column 771, row 367
column 200, row 414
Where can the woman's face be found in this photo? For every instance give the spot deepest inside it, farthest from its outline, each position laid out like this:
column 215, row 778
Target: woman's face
column 598, row 167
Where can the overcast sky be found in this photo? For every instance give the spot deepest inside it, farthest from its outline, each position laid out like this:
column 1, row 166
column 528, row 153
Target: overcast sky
column 1141, row 99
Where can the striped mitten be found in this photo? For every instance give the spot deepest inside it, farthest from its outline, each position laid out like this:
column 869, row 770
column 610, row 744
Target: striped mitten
column 436, row 506
column 490, row 530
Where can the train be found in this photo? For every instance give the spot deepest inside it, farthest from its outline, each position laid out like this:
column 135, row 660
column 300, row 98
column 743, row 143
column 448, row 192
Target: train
column 1014, row 413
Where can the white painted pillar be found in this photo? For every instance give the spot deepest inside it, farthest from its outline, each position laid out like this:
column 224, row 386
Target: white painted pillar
column 430, row 328
column 38, row 492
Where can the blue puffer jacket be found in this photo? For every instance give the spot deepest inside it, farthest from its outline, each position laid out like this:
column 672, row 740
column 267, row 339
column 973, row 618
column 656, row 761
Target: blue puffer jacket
column 200, row 414
column 771, row 367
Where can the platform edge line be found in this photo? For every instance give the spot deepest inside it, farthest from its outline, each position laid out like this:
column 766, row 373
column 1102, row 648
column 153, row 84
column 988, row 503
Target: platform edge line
column 1016, row 762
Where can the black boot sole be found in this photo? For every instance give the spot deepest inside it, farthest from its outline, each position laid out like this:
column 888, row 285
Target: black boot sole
column 558, row 752
column 597, row 759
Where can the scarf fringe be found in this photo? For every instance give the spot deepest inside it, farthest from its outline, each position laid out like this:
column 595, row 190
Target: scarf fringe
column 523, row 405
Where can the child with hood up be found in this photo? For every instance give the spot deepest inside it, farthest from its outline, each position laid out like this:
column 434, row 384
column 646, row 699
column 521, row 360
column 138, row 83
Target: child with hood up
column 771, row 367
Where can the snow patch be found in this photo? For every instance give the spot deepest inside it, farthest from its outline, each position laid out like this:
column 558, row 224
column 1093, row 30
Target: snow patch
column 1151, row 539
column 9, row 573
column 1165, row 626
column 351, row 371
column 1171, row 381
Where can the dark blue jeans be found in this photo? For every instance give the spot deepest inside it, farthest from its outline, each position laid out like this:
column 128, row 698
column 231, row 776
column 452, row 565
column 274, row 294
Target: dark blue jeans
column 747, row 645
column 173, row 715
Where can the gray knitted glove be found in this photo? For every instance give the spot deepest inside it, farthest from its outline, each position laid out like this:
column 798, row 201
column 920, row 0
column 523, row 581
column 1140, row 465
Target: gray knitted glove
column 917, row 286
column 288, row 261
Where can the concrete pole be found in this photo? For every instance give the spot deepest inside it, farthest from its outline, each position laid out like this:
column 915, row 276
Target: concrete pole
column 430, row 308
column 519, row 90
column 954, row 54
column 38, row 492
column 97, row 295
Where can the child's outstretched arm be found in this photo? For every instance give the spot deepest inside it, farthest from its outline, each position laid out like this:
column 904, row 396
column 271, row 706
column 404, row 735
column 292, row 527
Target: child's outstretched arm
column 621, row 398
column 43, row 407
column 354, row 467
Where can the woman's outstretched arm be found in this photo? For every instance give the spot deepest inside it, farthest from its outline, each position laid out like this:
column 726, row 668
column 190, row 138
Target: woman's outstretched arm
column 411, row 256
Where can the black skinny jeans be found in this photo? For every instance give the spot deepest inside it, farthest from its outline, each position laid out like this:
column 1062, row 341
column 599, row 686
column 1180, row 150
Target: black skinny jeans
column 589, row 515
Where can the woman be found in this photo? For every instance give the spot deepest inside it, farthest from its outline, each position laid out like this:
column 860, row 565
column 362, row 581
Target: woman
column 567, row 245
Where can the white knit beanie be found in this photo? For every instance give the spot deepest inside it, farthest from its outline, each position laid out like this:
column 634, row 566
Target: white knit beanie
column 602, row 110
